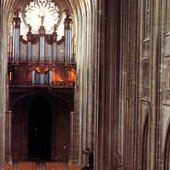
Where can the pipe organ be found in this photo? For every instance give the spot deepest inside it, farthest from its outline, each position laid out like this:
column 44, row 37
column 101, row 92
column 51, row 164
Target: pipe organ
column 41, row 60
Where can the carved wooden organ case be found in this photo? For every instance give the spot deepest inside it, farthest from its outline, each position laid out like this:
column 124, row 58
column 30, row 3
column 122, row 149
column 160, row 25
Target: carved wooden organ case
column 41, row 60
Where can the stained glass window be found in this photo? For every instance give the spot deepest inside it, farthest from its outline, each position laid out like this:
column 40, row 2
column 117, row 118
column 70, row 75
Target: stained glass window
column 39, row 10
column 42, row 12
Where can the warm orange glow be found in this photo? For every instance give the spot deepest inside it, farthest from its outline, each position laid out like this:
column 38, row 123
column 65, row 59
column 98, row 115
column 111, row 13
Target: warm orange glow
column 72, row 75
column 9, row 166
column 59, row 166
column 27, row 165
column 39, row 69
column 56, row 76
column 46, row 69
column 10, row 76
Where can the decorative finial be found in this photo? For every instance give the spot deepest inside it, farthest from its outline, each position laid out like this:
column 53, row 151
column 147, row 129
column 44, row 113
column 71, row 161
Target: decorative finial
column 42, row 16
column 67, row 11
column 68, row 20
column 29, row 27
column 16, row 18
column 42, row 20
column 16, row 12
column 55, row 27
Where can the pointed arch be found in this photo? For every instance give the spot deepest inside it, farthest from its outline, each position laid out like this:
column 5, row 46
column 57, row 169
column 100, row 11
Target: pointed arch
column 167, row 150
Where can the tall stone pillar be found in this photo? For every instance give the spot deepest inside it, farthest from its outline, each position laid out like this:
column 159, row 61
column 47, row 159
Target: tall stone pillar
column 73, row 143
column 3, row 87
column 8, row 136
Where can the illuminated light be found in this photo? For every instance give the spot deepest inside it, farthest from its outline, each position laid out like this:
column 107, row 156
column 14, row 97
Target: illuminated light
column 10, row 76
column 72, row 75
column 38, row 69
column 51, row 13
column 56, row 77
column 46, row 69
column 62, row 51
column 42, row 8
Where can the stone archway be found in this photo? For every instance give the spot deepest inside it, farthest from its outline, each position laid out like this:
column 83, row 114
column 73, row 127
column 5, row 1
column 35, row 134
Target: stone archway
column 41, row 126
column 39, row 129
column 167, row 151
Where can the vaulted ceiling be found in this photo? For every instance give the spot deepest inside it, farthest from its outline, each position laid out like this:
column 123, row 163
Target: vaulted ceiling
column 21, row 4
column 83, row 10
column 12, row 4
column 75, row 5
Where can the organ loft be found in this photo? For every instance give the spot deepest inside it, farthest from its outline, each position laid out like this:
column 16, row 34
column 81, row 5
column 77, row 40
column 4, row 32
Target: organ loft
column 41, row 78
column 41, row 60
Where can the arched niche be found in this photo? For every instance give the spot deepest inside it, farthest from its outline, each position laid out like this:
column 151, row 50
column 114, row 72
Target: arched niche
column 41, row 126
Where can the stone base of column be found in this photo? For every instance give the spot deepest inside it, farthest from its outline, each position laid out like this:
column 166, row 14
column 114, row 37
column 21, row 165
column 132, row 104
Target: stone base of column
column 74, row 167
column 73, row 160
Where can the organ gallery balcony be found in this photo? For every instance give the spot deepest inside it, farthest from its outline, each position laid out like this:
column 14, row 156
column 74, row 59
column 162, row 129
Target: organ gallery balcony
column 42, row 74
column 41, row 60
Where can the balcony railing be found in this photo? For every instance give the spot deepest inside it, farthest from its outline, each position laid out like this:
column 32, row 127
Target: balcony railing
column 44, row 74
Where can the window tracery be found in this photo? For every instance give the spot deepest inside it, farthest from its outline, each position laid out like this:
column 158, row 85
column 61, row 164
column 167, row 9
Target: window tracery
column 42, row 9
column 42, row 12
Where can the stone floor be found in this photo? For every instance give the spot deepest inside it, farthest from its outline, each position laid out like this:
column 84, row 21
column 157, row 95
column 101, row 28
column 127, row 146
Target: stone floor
column 40, row 166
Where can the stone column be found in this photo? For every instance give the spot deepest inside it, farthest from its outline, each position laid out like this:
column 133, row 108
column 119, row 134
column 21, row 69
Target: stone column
column 73, row 136
column 8, row 136
column 3, row 87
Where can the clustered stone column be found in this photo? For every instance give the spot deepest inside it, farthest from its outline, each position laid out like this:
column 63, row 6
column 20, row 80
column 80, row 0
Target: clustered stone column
column 8, row 136
column 73, row 141
column 3, row 70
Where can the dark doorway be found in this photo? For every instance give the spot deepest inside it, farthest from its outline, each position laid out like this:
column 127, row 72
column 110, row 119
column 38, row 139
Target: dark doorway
column 39, row 139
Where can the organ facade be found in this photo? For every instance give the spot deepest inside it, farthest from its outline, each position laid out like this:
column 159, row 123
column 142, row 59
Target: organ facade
column 41, row 59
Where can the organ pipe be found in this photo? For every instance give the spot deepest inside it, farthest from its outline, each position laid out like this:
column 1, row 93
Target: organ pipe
column 16, row 36
column 68, row 37
column 54, row 49
column 29, row 46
